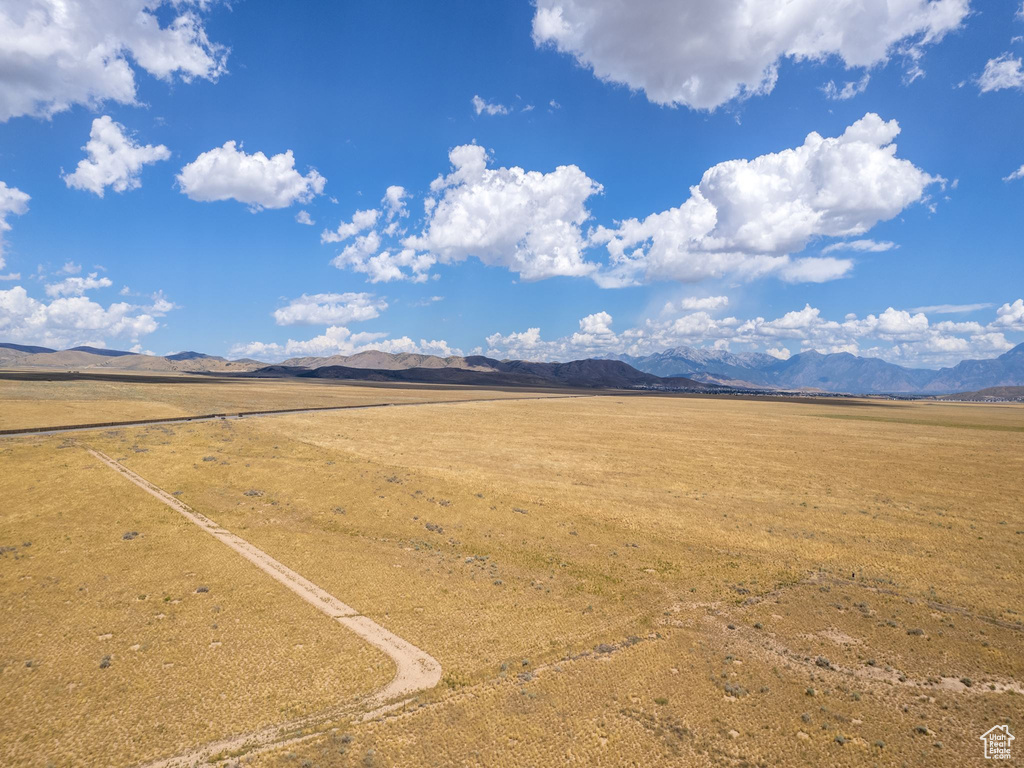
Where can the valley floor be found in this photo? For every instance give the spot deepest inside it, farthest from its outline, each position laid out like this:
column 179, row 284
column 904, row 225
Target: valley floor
column 612, row 580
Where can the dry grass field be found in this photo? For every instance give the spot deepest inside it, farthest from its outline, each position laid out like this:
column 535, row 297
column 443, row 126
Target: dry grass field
column 197, row 644
column 29, row 404
column 615, row 580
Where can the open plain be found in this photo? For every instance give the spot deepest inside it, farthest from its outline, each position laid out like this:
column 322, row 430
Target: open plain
column 617, row 579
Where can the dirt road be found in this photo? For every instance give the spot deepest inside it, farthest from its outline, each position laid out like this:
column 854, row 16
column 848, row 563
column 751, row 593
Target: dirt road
column 415, row 669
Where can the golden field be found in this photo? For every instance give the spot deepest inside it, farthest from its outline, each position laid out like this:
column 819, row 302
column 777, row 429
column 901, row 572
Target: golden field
column 29, row 404
column 183, row 665
column 612, row 580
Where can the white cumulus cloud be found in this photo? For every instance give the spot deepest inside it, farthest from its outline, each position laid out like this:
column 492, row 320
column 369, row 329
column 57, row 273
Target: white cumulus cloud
column 1000, row 73
column 330, row 309
column 76, row 286
column 394, row 202
column 13, row 202
column 598, row 323
column 527, row 221
column 361, row 221
column 113, row 159
column 745, row 217
column 73, row 320
column 228, row 173
column 895, row 335
column 704, row 54
column 339, row 340
column 1010, row 316
column 482, row 106
column 58, row 53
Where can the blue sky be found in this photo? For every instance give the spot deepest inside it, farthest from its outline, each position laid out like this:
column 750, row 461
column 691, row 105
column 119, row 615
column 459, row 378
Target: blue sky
column 570, row 219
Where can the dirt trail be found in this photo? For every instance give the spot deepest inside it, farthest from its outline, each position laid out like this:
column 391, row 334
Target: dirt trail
column 415, row 669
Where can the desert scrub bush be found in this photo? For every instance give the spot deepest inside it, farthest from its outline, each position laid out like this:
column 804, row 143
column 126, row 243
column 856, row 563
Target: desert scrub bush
column 455, row 680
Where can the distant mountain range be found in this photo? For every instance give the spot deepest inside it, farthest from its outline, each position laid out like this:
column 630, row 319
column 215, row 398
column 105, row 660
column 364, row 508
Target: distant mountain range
column 678, row 368
column 485, row 371
column 364, row 366
column 92, row 358
column 839, row 372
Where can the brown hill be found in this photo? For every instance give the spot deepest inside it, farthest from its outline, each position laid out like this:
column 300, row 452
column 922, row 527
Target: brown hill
column 384, row 361
column 483, row 371
column 1010, row 394
column 78, row 359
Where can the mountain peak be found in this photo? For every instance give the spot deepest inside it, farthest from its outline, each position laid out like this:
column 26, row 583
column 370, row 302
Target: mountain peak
column 1016, row 352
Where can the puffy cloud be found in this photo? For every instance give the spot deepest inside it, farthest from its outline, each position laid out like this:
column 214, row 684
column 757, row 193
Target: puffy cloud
column 361, row 220
column 893, row 324
column 303, row 217
column 57, row 53
column 394, row 202
column 113, row 159
column 525, row 345
column 1010, row 316
column 73, row 320
column 594, row 339
column 361, row 256
column 1001, row 72
column 848, row 90
column 746, row 216
column 404, row 344
column 702, row 55
column 339, row 340
column 597, row 324
column 491, row 108
column 1018, row 174
column 745, row 219
column 76, row 286
column 228, row 173
column 990, row 343
column 330, row 309
column 896, row 335
column 336, row 340
column 13, row 202
column 386, row 266
column 527, row 221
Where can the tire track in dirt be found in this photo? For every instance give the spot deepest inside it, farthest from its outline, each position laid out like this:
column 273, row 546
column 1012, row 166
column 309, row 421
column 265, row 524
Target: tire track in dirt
column 415, row 671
